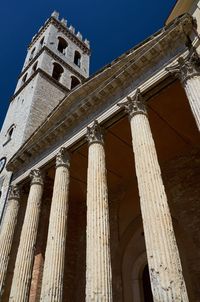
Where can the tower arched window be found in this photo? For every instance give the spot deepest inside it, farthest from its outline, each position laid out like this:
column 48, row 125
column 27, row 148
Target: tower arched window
column 34, row 67
column 57, row 71
column 24, row 78
column 74, row 82
column 77, row 58
column 62, row 45
column 32, row 54
column 9, row 133
column 42, row 41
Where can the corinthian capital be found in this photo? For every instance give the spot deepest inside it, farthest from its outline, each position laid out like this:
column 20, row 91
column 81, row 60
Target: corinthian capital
column 62, row 158
column 186, row 68
column 134, row 105
column 14, row 193
column 94, row 133
column 36, row 177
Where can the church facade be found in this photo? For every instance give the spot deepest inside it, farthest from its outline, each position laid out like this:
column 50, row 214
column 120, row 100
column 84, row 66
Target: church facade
column 99, row 175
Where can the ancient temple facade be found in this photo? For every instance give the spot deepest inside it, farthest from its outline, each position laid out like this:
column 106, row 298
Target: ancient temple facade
column 99, row 175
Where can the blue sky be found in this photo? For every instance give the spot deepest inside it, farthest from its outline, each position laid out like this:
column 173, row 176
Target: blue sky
column 112, row 26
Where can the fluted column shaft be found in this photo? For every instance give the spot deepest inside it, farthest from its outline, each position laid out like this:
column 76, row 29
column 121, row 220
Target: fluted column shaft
column 98, row 260
column 7, row 232
column 188, row 71
column 52, row 283
column 23, row 265
column 192, row 90
column 165, row 270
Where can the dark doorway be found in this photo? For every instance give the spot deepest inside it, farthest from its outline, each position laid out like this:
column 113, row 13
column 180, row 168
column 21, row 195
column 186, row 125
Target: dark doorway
column 146, row 285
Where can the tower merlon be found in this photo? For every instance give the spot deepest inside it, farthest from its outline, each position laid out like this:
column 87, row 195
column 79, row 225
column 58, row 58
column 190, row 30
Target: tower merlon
column 62, row 26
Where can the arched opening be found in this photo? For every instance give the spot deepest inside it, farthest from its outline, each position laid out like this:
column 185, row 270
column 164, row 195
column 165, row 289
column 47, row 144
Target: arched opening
column 77, row 58
column 146, row 285
column 32, row 54
column 42, row 41
column 57, row 71
column 9, row 133
column 74, row 82
column 24, row 78
column 62, row 45
column 34, row 67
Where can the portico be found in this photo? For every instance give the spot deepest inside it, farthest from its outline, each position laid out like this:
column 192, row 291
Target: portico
column 112, row 210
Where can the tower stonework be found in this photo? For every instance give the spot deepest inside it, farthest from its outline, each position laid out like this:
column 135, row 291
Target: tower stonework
column 57, row 60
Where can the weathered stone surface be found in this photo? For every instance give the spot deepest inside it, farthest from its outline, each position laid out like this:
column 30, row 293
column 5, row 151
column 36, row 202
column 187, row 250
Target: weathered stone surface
column 165, row 269
column 52, row 283
column 188, row 71
column 23, row 265
column 182, row 177
column 7, row 232
column 98, row 259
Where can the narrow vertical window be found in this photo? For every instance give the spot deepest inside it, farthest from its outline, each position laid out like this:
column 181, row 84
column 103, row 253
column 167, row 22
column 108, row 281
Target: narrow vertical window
column 77, row 58
column 34, row 67
column 42, row 41
column 62, row 45
column 32, row 54
column 57, row 71
column 74, row 82
column 24, row 78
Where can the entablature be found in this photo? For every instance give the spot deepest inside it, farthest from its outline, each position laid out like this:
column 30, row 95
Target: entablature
column 98, row 96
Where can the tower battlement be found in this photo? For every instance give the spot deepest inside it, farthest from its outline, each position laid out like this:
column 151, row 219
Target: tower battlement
column 62, row 25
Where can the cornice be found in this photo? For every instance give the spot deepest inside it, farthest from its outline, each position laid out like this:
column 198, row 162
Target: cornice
column 55, row 57
column 85, row 99
column 63, row 29
column 46, row 75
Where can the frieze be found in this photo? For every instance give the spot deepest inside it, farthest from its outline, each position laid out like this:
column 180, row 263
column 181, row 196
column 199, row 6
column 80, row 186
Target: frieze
column 89, row 91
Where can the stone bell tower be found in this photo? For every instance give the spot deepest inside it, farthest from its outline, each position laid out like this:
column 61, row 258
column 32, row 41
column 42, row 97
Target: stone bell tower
column 57, row 60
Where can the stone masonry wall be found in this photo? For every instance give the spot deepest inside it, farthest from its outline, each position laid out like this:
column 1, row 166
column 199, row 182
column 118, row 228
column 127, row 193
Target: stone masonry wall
column 182, row 178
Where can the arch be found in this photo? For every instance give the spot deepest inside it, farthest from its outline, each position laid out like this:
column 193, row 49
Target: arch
column 62, row 45
column 32, row 53
column 74, row 82
column 42, row 41
column 133, row 259
column 10, row 130
column 137, row 276
column 57, row 71
column 77, row 58
column 24, row 78
column 9, row 133
column 146, row 285
column 35, row 67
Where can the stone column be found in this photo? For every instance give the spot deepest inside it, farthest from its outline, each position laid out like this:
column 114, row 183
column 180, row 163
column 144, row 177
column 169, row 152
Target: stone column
column 52, row 283
column 7, row 232
column 188, row 71
column 98, row 259
column 25, row 255
column 165, row 270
